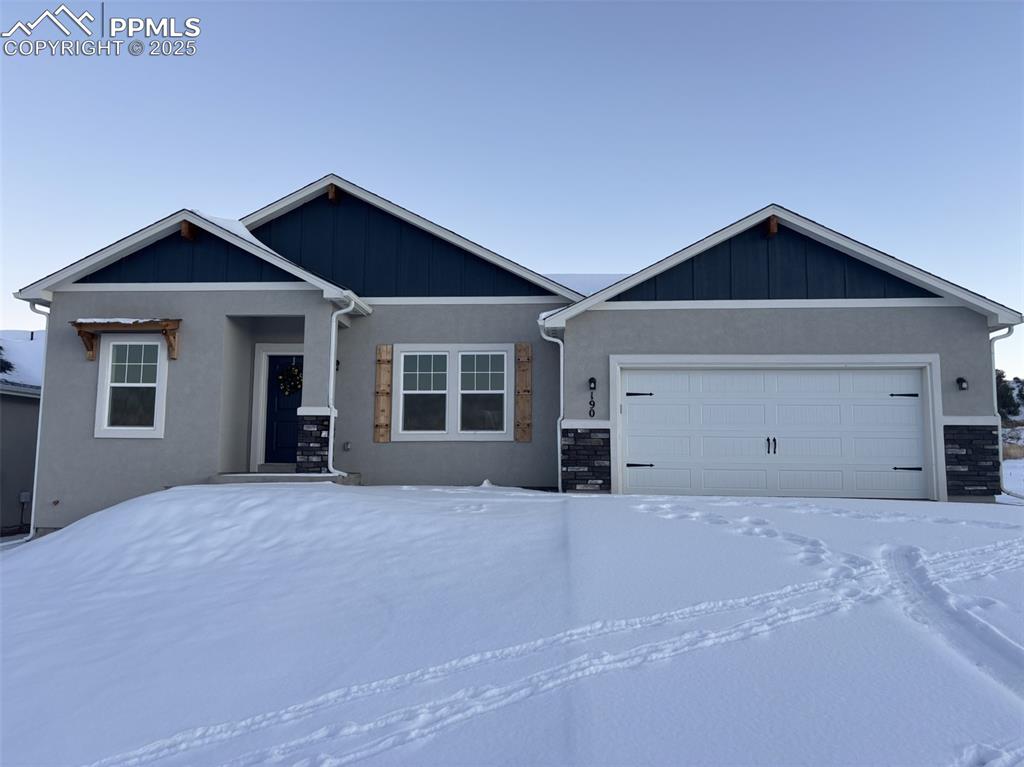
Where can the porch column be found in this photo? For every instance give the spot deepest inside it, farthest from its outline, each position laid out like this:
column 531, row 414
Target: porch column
column 315, row 415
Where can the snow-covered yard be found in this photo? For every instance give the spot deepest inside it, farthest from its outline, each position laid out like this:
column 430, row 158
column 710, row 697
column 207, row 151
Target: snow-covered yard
column 326, row 625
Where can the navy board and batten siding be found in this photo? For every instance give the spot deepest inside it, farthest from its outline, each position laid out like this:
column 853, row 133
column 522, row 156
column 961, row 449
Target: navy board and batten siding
column 205, row 258
column 373, row 253
column 754, row 265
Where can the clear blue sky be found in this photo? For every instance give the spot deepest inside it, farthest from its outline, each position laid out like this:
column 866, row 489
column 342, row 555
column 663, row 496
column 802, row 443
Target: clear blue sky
column 570, row 137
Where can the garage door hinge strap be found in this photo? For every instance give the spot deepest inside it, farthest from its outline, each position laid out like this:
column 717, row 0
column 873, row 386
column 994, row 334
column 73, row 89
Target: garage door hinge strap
column 639, row 394
column 908, row 468
column 909, row 394
column 633, row 465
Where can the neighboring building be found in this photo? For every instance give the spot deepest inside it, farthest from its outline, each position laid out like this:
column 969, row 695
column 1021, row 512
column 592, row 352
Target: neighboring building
column 19, row 421
column 335, row 332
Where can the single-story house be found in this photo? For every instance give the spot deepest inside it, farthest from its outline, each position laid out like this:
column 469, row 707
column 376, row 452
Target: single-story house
column 333, row 332
column 20, row 387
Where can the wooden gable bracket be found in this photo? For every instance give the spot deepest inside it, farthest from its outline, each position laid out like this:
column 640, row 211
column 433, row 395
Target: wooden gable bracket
column 188, row 230
column 771, row 226
column 90, row 332
column 333, row 193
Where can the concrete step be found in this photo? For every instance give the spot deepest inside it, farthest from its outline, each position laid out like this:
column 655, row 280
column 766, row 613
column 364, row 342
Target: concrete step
column 245, row 477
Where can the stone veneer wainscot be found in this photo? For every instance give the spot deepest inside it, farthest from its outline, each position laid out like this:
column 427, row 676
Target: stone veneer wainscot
column 586, row 460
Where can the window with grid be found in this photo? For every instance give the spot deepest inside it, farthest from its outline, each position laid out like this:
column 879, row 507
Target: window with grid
column 424, row 392
column 132, row 397
column 482, row 391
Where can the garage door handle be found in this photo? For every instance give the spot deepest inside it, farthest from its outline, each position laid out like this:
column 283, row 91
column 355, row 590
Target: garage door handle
column 639, row 394
column 908, row 468
column 634, row 465
column 768, row 445
column 775, row 446
column 905, row 394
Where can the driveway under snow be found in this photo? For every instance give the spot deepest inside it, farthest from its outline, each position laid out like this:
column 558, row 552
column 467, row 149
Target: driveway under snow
column 326, row 625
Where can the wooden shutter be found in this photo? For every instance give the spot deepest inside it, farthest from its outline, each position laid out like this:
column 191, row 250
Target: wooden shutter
column 524, row 393
column 382, row 394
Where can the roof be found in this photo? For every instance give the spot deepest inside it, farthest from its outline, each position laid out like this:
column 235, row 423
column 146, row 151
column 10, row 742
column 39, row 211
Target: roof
column 587, row 284
column 308, row 192
column 232, row 232
column 998, row 314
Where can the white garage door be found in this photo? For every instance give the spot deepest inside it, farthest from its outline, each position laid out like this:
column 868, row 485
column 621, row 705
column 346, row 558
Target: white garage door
column 848, row 433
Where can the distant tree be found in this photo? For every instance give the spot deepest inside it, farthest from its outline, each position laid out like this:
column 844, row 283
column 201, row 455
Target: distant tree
column 1006, row 400
column 6, row 366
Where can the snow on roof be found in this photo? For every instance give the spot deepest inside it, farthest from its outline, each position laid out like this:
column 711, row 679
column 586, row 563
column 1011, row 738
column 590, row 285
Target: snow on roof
column 586, row 283
column 236, row 228
column 25, row 349
column 118, row 320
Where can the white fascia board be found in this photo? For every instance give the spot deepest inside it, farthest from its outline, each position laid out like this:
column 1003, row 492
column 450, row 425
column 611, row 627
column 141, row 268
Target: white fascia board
column 999, row 315
column 306, row 193
column 779, row 303
column 42, row 290
column 456, row 300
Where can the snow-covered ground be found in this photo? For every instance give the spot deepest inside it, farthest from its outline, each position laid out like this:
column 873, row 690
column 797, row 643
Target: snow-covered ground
column 1013, row 476
column 326, row 625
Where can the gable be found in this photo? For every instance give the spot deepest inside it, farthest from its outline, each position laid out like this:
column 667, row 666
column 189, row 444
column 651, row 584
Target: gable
column 205, row 258
column 374, row 253
column 753, row 265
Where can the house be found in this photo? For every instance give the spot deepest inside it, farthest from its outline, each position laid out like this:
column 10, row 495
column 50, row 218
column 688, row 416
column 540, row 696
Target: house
column 19, row 418
column 335, row 333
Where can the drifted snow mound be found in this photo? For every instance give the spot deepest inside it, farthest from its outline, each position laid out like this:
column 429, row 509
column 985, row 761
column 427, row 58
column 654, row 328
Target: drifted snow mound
column 316, row 624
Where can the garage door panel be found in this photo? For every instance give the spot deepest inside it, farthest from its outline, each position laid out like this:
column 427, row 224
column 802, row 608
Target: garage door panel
column 803, row 447
column 733, row 414
column 807, row 415
column 672, row 447
column 730, row 446
column 653, row 480
column 885, row 483
column 885, row 382
column 883, row 447
column 732, row 382
column 659, row 383
column 730, row 480
column 809, row 481
column 832, row 432
column 808, row 382
column 651, row 415
column 893, row 416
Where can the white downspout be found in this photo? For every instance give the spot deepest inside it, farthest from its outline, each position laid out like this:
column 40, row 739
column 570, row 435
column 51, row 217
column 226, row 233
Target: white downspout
column 561, row 395
column 995, row 406
column 330, row 386
column 39, row 432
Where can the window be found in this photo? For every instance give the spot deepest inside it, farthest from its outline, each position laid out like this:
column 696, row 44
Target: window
column 481, row 392
column 132, row 386
column 424, row 392
column 452, row 392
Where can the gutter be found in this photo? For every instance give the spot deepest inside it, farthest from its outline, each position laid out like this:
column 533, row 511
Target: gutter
column 995, row 405
column 561, row 394
column 39, row 432
column 332, row 374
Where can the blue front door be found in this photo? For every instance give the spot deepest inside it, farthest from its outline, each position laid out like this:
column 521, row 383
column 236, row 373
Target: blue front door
column 284, row 371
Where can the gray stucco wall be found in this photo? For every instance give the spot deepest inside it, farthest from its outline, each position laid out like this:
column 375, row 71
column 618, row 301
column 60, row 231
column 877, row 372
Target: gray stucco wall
column 18, row 420
column 532, row 464
column 959, row 336
column 79, row 474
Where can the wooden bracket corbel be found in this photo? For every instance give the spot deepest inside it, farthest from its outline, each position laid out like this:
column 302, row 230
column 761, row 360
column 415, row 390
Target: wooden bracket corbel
column 771, row 226
column 333, row 193
column 89, row 340
column 171, row 334
column 188, row 230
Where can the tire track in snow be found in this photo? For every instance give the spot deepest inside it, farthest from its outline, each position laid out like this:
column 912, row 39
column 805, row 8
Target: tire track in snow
column 428, row 719
column 929, row 603
column 962, row 565
column 198, row 737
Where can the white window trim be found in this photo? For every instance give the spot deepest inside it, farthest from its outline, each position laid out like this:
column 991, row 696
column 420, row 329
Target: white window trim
column 156, row 431
column 459, row 392
column 452, row 414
